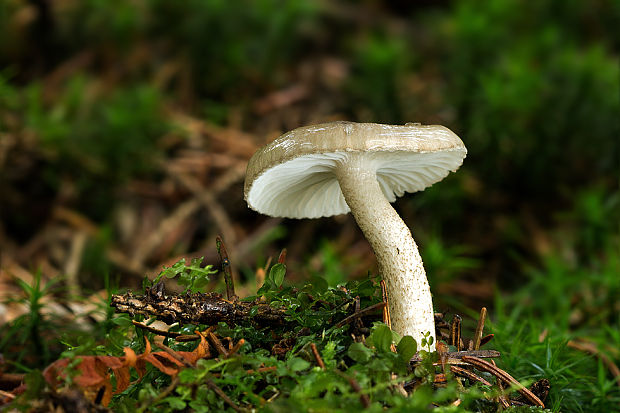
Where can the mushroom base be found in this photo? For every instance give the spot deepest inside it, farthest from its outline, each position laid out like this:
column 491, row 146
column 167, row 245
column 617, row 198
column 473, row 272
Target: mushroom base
column 400, row 264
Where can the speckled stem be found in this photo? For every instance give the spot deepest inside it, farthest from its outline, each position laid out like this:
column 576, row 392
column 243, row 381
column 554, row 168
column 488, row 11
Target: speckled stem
column 400, row 264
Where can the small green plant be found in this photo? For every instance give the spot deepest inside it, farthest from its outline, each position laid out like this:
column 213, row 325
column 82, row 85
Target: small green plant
column 27, row 336
column 193, row 275
column 427, row 340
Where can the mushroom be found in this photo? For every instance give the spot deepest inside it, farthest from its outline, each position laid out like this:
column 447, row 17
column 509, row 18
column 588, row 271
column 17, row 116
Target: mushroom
column 333, row 168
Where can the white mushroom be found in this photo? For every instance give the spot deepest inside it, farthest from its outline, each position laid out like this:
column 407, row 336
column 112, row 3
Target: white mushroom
column 333, row 168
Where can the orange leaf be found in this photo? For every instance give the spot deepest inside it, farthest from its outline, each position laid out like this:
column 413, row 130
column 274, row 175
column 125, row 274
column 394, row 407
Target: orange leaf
column 94, row 372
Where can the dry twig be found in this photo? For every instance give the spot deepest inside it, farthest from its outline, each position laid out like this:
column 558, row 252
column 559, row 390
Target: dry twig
column 505, row 377
column 386, row 310
column 217, row 343
column 455, row 332
column 469, row 375
column 317, row 356
column 361, row 313
column 174, row 354
column 480, row 328
column 236, row 347
column 228, row 276
column 157, row 331
column 355, row 385
column 223, row 395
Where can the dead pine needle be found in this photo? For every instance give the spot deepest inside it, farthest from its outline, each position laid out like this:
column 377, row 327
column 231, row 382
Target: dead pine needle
column 228, row 277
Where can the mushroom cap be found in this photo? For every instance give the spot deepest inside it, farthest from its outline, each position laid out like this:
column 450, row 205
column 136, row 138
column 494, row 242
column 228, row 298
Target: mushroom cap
column 294, row 176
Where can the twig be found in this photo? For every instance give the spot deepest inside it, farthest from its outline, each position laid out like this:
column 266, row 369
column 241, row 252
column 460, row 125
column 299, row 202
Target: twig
column 162, row 395
column 197, row 308
column 386, row 310
column 502, row 375
column 469, row 375
column 362, row 312
column 456, row 357
column 480, row 328
column 228, row 277
column 217, row 343
column 11, row 379
column 317, row 356
column 353, row 383
column 164, row 333
column 398, row 386
column 236, row 347
column 501, row 397
column 7, row 394
column 223, row 395
column 251, row 371
column 455, row 332
column 174, row 354
column 184, row 338
column 440, row 378
column 358, row 321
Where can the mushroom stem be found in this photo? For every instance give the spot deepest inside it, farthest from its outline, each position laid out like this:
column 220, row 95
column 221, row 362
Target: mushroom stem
column 400, row 264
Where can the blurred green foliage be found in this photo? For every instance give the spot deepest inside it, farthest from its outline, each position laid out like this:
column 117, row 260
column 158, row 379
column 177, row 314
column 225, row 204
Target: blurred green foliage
column 535, row 93
column 379, row 65
column 98, row 139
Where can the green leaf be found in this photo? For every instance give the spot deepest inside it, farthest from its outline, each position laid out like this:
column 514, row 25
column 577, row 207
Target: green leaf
column 296, row 364
column 366, row 288
column 175, row 402
column 276, row 274
column 319, row 284
column 359, row 352
column 382, row 338
column 407, row 347
column 200, row 283
column 122, row 320
column 265, row 288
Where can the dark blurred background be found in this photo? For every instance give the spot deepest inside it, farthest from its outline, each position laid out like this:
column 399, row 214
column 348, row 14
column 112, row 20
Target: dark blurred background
column 125, row 128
